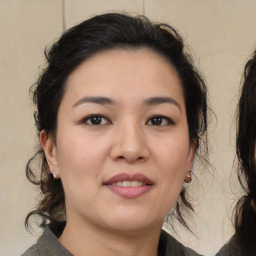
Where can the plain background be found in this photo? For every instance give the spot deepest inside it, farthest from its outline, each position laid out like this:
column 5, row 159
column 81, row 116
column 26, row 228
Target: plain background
column 221, row 35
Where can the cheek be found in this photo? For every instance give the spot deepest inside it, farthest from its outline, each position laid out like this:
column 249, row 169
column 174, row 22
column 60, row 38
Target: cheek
column 78, row 165
column 171, row 174
column 173, row 157
column 80, row 157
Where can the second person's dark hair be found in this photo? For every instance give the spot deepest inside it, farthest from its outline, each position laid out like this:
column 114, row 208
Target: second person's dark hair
column 245, row 214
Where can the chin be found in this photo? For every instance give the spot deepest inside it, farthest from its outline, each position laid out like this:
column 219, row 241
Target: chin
column 129, row 227
column 133, row 223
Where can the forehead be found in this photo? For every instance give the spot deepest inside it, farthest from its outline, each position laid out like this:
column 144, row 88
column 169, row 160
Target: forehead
column 125, row 73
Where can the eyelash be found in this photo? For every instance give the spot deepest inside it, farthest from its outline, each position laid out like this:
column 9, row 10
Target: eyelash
column 88, row 120
column 98, row 117
column 168, row 121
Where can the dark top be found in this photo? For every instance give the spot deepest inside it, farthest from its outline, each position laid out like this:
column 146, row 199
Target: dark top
column 232, row 248
column 225, row 250
column 48, row 244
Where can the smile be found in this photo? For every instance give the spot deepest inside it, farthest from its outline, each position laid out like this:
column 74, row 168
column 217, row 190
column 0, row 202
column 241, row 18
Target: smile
column 129, row 186
column 127, row 183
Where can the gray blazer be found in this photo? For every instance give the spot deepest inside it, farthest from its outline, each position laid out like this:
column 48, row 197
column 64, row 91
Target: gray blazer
column 48, row 244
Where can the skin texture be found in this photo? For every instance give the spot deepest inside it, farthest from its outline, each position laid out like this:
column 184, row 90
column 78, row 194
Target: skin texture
column 125, row 140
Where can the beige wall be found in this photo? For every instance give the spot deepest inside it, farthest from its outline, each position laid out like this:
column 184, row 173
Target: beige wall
column 221, row 33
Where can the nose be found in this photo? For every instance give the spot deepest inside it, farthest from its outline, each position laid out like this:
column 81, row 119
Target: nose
column 130, row 144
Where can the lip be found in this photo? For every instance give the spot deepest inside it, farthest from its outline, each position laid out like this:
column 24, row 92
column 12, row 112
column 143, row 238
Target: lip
column 129, row 192
column 130, row 177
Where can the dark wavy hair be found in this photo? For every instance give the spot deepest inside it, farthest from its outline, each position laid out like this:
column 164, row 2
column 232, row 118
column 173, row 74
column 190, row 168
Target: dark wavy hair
column 245, row 211
column 97, row 34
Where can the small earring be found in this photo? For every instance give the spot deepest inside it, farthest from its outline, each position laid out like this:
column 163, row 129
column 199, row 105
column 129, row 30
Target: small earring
column 188, row 177
column 54, row 175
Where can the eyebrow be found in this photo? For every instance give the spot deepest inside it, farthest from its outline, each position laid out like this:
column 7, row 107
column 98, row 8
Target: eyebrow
column 98, row 100
column 107, row 101
column 161, row 100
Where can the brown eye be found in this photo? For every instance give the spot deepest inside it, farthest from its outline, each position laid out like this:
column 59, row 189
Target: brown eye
column 95, row 120
column 159, row 121
column 156, row 121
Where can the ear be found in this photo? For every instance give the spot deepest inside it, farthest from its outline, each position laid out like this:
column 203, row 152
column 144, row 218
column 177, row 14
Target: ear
column 191, row 156
column 50, row 151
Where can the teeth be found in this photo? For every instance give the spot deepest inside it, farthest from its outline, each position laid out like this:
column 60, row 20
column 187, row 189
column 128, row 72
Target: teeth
column 134, row 183
column 127, row 183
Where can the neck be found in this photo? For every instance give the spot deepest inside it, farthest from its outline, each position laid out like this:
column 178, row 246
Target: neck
column 86, row 240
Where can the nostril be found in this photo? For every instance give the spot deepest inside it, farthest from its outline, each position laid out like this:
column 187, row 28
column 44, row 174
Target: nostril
column 136, row 159
column 129, row 153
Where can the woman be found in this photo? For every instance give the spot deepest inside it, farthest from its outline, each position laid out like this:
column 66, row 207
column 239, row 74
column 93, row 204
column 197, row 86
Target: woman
column 243, row 243
column 121, row 112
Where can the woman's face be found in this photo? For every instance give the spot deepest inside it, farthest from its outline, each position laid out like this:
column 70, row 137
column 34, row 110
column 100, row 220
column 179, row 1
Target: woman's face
column 122, row 146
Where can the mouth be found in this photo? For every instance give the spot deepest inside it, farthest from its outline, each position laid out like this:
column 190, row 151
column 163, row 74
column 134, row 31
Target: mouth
column 127, row 183
column 129, row 186
column 129, row 180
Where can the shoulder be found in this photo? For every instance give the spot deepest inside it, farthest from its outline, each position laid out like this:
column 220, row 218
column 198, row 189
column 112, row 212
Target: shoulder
column 32, row 251
column 172, row 247
column 225, row 250
column 232, row 248
column 48, row 244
